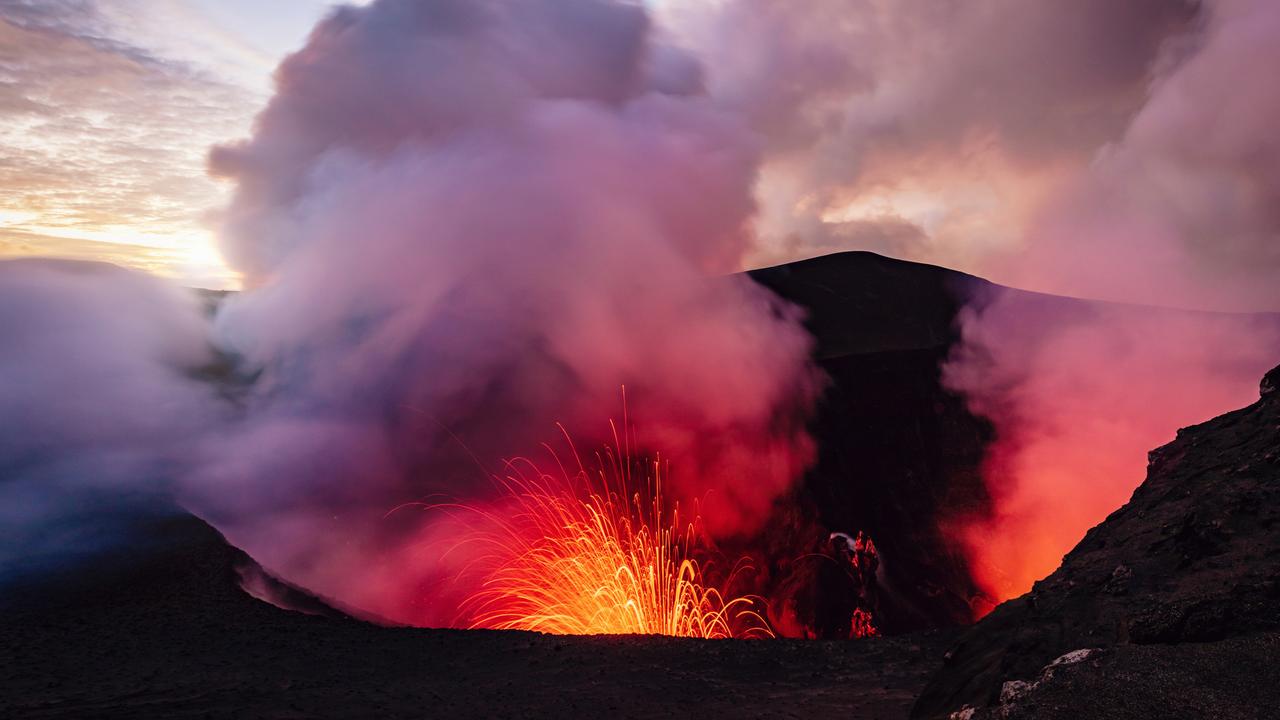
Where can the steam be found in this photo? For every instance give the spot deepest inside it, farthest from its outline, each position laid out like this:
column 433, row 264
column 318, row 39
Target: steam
column 922, row 130
column 463, row 223
column 1115, row 151
column 1179, row 211
column 99, row 403
column 1079, row 393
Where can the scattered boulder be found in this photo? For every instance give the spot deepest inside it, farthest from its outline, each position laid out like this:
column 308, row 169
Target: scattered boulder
column 1137, row 682
column 1271, row 382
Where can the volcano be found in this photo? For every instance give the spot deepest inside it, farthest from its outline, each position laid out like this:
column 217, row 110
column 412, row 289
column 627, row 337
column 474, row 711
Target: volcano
column 172, row 620
column 902, row 454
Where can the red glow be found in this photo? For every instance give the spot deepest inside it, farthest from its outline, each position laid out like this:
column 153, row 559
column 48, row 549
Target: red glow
column 594, row 550
column 1078, row 402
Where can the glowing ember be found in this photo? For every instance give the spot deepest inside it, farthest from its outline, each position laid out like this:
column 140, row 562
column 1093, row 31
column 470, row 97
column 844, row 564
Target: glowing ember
column 594, row 551
column 862, row 624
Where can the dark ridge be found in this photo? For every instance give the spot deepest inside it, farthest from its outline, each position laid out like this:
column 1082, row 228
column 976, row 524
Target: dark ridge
column 861, row 302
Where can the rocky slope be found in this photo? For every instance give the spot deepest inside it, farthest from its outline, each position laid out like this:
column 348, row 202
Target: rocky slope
column 1169, row 608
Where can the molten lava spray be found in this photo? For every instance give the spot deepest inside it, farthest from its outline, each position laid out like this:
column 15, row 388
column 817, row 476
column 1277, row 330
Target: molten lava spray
column 595, row 551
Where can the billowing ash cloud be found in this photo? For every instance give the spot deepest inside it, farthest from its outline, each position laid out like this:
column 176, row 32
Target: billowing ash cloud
column 1120, row 151
column 925, row 130
column 1179, row 210
column 1079, row 394
column 99, row 404
column 1098, row 149
column 464, row 222
column 1183, row 207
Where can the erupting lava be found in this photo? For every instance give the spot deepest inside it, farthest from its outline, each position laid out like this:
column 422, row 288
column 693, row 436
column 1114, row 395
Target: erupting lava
column 594, row 551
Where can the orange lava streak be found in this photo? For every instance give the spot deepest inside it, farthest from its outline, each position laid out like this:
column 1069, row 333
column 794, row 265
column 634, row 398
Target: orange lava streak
column 591, row 553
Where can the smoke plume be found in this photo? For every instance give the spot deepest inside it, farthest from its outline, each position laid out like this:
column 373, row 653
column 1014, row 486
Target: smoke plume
column 1178, row 211
column 464, row 222
column 1116, row 151
column 1079, row 393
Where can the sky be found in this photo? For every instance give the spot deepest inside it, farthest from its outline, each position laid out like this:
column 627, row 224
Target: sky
column 1120, row 151
column 109, row 110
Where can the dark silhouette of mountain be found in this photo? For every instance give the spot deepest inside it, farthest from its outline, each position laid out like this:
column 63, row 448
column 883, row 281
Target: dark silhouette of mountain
column 899, row 454
column 862, row 303
column 896, row 450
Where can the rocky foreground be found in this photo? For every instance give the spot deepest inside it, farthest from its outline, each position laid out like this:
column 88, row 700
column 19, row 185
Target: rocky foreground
column 1170, row 608
column 167, row 631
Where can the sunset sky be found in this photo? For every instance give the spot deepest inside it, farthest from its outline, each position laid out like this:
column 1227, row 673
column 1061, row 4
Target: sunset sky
column 111, row 106
column 109, row 110
column 1114, row 150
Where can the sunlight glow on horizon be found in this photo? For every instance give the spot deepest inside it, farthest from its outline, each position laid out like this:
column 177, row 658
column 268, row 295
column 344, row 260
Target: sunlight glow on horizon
column 111, row 113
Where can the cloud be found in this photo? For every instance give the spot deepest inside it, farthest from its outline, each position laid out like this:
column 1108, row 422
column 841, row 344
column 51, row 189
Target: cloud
column 104, row 140
column 1121, row 151
column 1079, row 395
column 996, row 99
column 1181, row 209
column 469, row 221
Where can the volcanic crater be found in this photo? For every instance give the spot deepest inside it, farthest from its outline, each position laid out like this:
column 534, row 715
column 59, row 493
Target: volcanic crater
column 1169, row 604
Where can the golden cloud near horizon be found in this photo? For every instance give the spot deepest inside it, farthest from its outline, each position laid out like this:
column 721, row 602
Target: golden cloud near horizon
column 103, row 145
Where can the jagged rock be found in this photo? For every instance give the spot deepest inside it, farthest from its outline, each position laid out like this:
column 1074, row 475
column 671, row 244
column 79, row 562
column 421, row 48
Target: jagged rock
column 1194, row 557
column 1271, row 382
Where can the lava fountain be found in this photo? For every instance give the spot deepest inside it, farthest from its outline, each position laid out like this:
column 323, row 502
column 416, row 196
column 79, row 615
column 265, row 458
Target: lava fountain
column 592, row 549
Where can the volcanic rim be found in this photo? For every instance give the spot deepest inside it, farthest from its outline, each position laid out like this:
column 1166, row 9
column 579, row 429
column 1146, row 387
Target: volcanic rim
column 165, row 630
column 161, row 627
